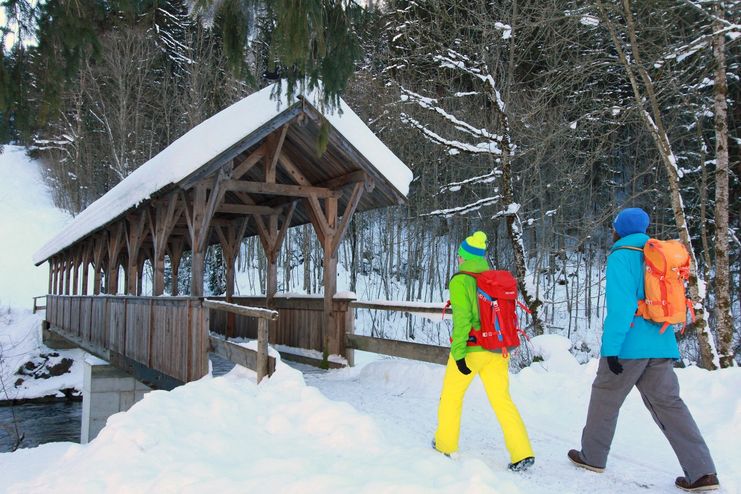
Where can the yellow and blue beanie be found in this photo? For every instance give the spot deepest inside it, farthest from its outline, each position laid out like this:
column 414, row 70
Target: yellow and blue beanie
column 473, row 247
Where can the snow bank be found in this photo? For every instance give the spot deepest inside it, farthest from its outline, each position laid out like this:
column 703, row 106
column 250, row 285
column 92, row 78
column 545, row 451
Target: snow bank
column 27, row 215
column 554, row 350
column 229, row 435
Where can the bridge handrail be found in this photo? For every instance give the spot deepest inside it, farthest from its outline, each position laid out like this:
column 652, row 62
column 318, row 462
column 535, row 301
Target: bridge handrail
column 242, row 310
column 263, row 316
column 38, row 307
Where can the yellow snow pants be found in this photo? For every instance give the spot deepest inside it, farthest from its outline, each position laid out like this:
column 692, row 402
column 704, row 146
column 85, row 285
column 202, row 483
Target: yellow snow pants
column 494, row 372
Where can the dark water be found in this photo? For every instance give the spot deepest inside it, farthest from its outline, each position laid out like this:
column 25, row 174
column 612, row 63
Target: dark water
column 50, row 422
column 39, row 423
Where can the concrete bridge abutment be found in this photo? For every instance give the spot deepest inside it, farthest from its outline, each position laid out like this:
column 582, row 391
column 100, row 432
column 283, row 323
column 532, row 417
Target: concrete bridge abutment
column 106, row 390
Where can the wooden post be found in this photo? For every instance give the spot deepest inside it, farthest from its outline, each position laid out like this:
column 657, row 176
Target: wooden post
column 143, row 256
column 162, row 219
column 230, row 237
column 330, row 277
column 76, row 261
column 262, row 348
column 51, row 276
column 271, row 282
column 115, row 241
column 198, row 214
column 135, row 224
column 67, row 273
column 99, row 250
column 54, row 266
column 60, row 276
column 330, row 232
column 86, row 254
column 175, row 248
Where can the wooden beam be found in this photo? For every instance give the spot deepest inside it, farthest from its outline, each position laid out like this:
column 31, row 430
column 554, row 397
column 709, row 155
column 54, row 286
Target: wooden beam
column 249, row 162
column 352, row 205
column 348, row 179
column 293, row 170
column 247, row 209
column 275, row 144
column 285, row 226
column 279, row 189
column 395, row 348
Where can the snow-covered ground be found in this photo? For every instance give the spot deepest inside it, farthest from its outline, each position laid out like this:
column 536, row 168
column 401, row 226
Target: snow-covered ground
column 21, row 347
column 367, row 430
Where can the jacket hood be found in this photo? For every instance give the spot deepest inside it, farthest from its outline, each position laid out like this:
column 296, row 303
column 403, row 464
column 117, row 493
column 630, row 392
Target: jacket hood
column 633, row 240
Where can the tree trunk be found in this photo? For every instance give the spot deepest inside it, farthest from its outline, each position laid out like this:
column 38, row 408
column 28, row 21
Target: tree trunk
column 722, row 276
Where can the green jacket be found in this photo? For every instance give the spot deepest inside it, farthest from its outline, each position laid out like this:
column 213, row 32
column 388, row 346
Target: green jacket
column 465, row 307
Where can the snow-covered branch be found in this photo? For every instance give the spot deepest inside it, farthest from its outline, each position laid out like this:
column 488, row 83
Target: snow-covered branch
column 461, row 210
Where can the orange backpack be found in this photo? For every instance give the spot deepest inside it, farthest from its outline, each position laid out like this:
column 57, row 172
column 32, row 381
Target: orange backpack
column 667, row 268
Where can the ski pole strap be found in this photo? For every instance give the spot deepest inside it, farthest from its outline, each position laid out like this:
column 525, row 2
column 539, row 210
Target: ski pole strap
column 445, row 309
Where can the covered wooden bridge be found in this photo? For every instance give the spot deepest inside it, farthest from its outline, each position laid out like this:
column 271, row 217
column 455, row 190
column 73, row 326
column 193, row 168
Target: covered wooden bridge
column 252, row 169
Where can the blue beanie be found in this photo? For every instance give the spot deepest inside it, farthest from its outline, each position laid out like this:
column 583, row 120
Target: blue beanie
column 631, row 220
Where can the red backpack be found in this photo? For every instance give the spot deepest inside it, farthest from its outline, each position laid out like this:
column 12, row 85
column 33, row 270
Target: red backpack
column 497, row 296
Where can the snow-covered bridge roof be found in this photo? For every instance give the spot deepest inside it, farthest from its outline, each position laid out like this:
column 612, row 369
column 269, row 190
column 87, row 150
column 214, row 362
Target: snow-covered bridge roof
column 236, row 130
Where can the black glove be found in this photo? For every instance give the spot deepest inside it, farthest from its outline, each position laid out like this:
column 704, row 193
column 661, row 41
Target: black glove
column 463, row 367
column 614, row 364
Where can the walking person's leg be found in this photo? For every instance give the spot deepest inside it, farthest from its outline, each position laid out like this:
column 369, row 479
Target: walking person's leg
column 659, row 389
column 455, row 385
column 608, row 394
column 494, row 372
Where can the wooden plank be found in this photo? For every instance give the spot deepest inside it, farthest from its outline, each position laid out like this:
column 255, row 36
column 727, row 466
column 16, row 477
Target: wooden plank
column 238, row 354
column 241, row 310
column 279, row 189
column 395, row 348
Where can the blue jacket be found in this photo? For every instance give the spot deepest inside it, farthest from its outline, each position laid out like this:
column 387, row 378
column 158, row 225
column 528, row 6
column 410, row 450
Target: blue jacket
column 624, row 290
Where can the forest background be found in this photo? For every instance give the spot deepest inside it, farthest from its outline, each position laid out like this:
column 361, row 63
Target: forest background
column 533, row 120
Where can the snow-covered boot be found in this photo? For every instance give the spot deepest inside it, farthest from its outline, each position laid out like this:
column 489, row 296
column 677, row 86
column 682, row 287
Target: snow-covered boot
column 522, row 465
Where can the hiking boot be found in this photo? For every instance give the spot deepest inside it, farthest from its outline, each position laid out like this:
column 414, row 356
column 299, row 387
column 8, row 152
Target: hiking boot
column 704, row 483
column 577, row 460
column 435, row 448
column 522, row 465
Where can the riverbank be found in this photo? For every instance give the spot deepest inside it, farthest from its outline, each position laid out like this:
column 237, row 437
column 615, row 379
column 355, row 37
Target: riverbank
column 30, row 372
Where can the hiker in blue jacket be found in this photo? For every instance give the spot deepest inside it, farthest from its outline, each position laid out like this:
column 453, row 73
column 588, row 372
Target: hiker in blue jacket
column 635, row 353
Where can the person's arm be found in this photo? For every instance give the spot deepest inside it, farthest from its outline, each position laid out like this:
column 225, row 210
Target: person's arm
column 460, row 301
column 621, row 295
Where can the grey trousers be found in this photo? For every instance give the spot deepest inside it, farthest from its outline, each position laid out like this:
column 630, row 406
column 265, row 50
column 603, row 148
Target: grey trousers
column 659, row 388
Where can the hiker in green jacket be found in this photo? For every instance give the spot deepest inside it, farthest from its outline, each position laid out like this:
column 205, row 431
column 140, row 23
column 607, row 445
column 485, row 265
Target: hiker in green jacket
column 466, row 361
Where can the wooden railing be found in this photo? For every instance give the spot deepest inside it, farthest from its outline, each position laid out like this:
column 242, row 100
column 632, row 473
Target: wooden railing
column 259, row 360
column 163, row 341
column 300, row 323
column 397, row 348
column 36, row 306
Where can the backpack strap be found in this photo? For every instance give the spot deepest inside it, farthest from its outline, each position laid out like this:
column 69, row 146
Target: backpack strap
column 627, row 247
